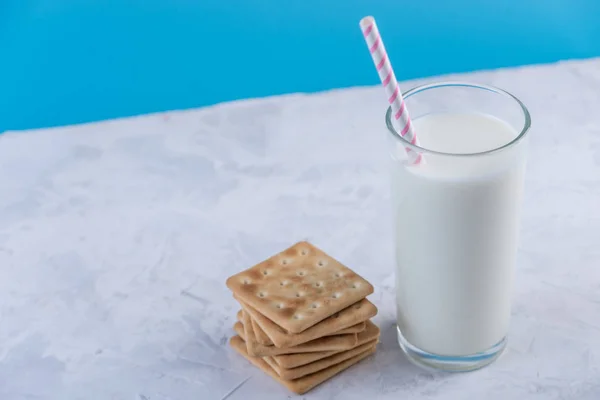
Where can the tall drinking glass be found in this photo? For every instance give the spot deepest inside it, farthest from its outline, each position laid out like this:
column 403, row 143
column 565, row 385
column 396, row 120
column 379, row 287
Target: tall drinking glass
column 457, row 222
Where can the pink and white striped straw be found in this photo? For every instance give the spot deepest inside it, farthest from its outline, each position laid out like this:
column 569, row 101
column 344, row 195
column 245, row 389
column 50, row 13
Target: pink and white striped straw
column 390, row 84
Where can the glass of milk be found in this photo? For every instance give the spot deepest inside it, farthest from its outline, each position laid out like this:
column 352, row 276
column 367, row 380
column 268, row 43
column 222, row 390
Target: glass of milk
column 456, row 217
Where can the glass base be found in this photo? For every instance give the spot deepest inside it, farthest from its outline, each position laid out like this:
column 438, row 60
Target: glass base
column 467, row 363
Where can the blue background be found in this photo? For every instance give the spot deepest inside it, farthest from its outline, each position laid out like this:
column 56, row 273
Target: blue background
column 71, row 61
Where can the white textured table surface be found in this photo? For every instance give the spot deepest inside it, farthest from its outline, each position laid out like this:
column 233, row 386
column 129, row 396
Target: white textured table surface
column 116, row 239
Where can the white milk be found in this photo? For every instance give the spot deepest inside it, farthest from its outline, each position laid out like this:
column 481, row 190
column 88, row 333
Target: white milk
column 457, row 221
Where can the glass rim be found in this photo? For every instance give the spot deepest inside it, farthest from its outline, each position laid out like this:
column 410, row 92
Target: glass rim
column 434, row 85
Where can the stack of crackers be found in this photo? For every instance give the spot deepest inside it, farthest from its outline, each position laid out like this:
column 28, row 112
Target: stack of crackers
column 304, row 317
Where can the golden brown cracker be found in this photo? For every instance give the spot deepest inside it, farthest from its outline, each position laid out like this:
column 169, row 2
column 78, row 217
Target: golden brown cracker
column 347, row 318
column 306, row 383
column 310, row 368
column 328, row 343
column 299, row 287
column 289, row 361
column 311, row 333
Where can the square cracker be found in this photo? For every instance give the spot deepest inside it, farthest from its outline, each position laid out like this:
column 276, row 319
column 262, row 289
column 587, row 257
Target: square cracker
column 349, row 316
column 289, row 361
column 329, row 343
column 311, row 368
column 304, row 384
column 263, row 338
column 295, row 360
column 299, row 287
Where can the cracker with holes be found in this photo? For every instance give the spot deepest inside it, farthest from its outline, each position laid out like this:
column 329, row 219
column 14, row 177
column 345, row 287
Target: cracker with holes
column 291, row 361
column 303, row 337
column 349, row 320
column 307, row 382
column 305, row 317
column 311, row 368
column 299, row 287
column 328, row 343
